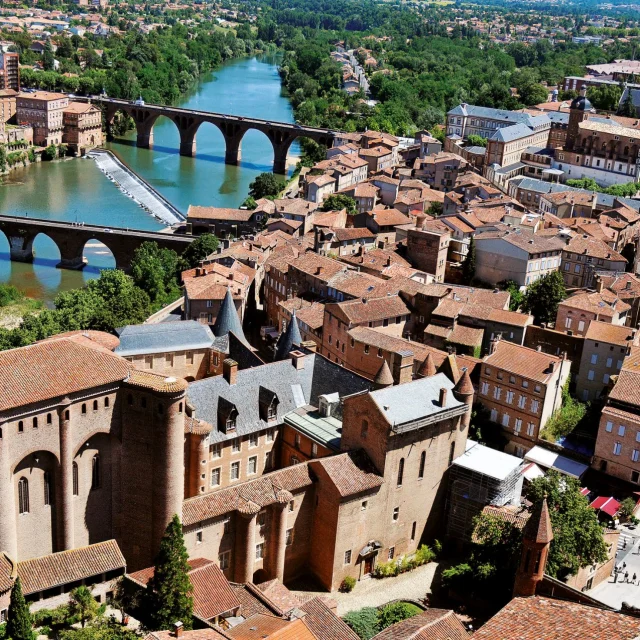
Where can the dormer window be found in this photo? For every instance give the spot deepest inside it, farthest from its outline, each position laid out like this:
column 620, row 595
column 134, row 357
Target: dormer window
column 227, row 415
column 268, row 404
column 231, row 424
column 271, row 413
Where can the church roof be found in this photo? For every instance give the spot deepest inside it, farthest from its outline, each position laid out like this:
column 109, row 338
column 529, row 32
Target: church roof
column 538, row 529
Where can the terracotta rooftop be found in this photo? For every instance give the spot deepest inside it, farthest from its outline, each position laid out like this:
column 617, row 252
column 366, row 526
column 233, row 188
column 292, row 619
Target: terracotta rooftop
column 522, row 361
column 389, row 217
column 609, row 333
column 262, row 491
column 535, row 618
column 374, row 309
column 219, row 213
column 432, row 624
column 323, row 623
column 55, row 569
column 55, row 368
column 603, row 304
column 350, row 472
column 627, row 388
column 593, row 247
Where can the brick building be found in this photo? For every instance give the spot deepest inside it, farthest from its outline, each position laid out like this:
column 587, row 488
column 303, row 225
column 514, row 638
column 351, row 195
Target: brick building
column 618, row 441
column 82, row 124
column 576, row 313
column 521, row 388
column 583, row 256
column 44, row 111
column 427, row 247
column 605, row 348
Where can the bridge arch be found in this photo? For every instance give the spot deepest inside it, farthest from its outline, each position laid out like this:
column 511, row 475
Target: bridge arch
column 96, row 256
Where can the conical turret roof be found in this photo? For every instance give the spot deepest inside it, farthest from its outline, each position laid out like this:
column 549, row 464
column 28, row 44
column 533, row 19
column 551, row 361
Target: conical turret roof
column 464, row 386
column 228, row 320
column 288, row 339
column 450, row 369
column 427, row 368
column 383, row 377
column 538, row 528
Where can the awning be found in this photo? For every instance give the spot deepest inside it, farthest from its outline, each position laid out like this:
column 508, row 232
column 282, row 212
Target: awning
column 532, row 471
column 609, row 506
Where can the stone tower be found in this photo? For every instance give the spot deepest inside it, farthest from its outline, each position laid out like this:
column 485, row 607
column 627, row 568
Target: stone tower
column 536, row 540
column 578, row 112
column 463, row 391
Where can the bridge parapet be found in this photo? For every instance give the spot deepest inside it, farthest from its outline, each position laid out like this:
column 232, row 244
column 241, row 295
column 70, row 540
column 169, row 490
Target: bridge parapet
column 233, row 129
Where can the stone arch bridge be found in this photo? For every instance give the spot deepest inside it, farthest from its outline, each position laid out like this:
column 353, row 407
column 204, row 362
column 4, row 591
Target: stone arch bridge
column 71, row 238
column 233, row 128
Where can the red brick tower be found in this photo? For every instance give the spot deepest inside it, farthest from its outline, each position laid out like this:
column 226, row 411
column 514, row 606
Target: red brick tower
column 463, row 392
column 536, row 540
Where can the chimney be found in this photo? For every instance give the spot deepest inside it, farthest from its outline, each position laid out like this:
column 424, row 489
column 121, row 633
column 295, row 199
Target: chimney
column 538, row 348
column 310, row 345
column 599, row 284
column 231, row 276
column 178, row 629
column 627, row 284
column 198, row 272
column 443, row 397
column 230, row 370
column 297, row 359
column 318, row 270
column 552, row 367
column 494, row 345
column 388, row 261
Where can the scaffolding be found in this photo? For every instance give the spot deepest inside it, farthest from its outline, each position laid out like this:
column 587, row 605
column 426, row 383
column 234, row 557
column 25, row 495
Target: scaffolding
column 470, row 491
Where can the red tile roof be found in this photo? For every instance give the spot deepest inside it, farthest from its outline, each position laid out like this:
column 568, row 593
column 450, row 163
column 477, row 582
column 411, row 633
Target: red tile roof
column 46, row 572
column 522, row 361
column 323, row 623
column 262, row 491
column 432, row 624
column 54, row 369
column 350, row 472
column 538, row 618
column 609, row 333
column 627, row 388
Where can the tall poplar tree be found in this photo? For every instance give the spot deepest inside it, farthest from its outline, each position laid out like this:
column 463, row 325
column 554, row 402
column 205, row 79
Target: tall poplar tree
column 19, row 621
column 169, row 591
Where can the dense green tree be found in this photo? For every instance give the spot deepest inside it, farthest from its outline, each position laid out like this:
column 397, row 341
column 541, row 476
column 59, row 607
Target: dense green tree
column 339, row 201
column 606, row 97
column 169, row 590
column 364, row 622
column 514, row 290
column 199, row 249
column 577, row 534
column 19, row 621
column 543, row 297
column 48, row 60
column 477, row 141
column 627, row 107
column 469, row 264
column 83, row 605
column 156, row 271
column 396, row 612
column 99, row 629
column 266, row 185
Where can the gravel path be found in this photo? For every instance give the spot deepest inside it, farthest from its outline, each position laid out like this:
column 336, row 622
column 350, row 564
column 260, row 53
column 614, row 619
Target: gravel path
column 373, row 593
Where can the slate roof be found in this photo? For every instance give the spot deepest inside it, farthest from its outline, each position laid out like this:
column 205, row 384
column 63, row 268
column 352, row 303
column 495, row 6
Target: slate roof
column 293, row 387
column 514, row 132
column 495, row 114
column 534, row 618
column 290, row 338
column 406, row 403
column 165, row 336
column 227, row 320
column 55, row 569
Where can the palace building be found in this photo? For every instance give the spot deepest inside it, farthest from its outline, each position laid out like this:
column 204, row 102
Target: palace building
column 93, row 448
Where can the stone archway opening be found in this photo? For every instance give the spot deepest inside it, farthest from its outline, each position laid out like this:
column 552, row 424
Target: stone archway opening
column 97, row 256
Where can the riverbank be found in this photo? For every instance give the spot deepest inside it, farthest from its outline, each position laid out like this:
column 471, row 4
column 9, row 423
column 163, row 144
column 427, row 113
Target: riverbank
column 14, row 305
column 135, row 188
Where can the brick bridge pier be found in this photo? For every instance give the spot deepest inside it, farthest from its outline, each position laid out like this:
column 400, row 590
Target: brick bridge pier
column 71, row 239
column 233, row 128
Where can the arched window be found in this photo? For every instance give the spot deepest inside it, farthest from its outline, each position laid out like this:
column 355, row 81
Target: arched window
column 48, row 497
column 20, row 426
column 35, row 423
column 74, row 473
column 84, row 407
column 23, row 496
column 423, row 459
column 95, row 405
column 106, row 402
column 400, row 471
column 49, row 418
column 66, row 414
column 95, row 472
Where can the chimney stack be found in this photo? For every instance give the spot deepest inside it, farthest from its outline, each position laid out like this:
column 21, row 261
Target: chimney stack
column 230, row 370
column 443, row 397
column 178, row 629
column 552, row 367
column 297, row 359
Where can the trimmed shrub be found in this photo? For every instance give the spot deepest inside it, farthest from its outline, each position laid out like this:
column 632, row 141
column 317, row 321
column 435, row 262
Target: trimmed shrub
column 396, row 612
column 347, row 585
column 364, row 622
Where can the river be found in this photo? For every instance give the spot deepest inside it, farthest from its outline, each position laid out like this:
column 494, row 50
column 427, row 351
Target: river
column 75, row 189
